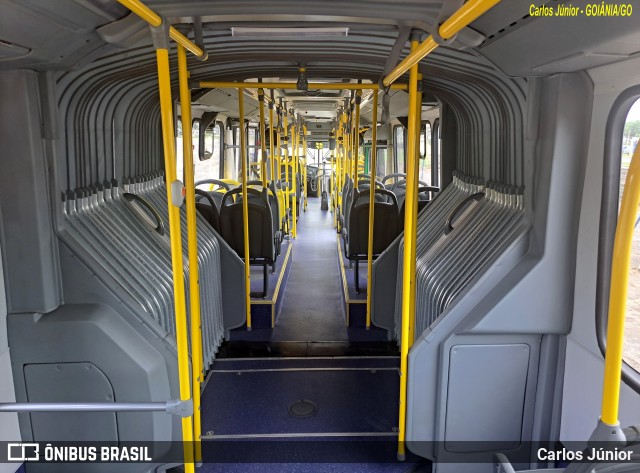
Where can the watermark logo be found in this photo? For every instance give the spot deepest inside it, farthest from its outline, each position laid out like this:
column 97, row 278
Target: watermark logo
column 23, row 452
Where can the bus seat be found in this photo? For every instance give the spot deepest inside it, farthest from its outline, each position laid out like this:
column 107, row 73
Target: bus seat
column 261, row 238
column 346, row 204
column 274, row 206
column 209, row 208
column 425, row 195
column 386, row 226
column 215, row 192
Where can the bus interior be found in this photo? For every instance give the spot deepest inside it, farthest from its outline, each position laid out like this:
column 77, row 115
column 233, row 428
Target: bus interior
column 313, row 236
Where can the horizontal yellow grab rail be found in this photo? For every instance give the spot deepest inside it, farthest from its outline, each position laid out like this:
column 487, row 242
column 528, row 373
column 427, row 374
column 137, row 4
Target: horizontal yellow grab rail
column 465, row 15
column 293, row 85
column 151, row 17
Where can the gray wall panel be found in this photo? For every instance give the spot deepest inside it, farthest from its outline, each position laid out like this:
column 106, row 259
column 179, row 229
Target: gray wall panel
column 27, row 238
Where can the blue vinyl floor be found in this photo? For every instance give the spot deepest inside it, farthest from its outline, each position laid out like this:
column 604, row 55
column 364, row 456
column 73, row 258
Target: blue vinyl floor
column 358, row 400
column 247, row 425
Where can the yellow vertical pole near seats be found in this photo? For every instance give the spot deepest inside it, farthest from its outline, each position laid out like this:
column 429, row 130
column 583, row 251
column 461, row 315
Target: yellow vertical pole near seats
column 409, row 263
column 337, row 157
column 263, row 149
column 285, row 158
column 166, row 114
column 372, row 188
column 304, row 153
column 356, row 138
column 345, row 157
column 294, row 176
column 271, row 138
column 197, row 375
column 347, row 146
column 415, row 159
column 620, row 269
column 245, row 210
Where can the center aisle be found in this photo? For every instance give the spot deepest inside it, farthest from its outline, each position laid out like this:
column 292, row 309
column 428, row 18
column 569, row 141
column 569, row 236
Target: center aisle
column 312, row 309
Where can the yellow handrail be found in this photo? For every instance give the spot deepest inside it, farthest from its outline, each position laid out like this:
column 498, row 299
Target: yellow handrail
column 465, row 15
column 293, row 86
column 263, row 149
column 356, row 139
column 151, row 17
column 415, row 159
column 197, row 375
column 304, row 152
column 166, row 113
column 618, row 292
column 372, row 189
column 271, row 139
column 293, row 162
column 245, row 211
column 409, row 263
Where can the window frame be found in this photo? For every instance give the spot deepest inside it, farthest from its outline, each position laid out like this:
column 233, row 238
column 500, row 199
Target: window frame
column 423, row 136
column 436, row 153
column 608, row 220
column 219, row 124
column 395, row 149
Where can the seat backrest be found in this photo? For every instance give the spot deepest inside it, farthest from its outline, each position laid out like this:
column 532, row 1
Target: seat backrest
column 274, row 206
column 425, row 194
column 261, row 243
column 386, row 223
column 208, row 208
column 347, row 196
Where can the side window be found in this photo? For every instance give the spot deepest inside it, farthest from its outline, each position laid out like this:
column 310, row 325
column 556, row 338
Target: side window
column 436, row 152
column 179, row 153
column 631, row 352
column 425, row 153
column 399, row 147
column 209, row 167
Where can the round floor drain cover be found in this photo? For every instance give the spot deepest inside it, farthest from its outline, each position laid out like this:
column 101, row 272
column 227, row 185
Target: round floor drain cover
column 303, row 408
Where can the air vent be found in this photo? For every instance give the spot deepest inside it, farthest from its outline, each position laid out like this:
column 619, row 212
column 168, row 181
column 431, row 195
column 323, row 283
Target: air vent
column 10, row 50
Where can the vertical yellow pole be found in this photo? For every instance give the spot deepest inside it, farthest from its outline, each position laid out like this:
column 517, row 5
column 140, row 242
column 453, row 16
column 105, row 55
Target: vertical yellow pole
column 335, row 178
column 347, row 146
column 372, row 188
column 415, row 158
column 197, row 374
column 304, row 153
column 356, row 138
column 287, row 193
column 271, row 138
column 263, row 144
column 294, row 176
column 620, row 269
column 409, row 263
column 166, row 113
column 245, row 209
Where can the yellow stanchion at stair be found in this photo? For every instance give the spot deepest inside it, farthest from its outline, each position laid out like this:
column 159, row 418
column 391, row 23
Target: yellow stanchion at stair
column 372, row 188
column 197, row 374
column 618, row 293
column 166, row 113
column 245, row 209
column 415, row 159
column 409, row 263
